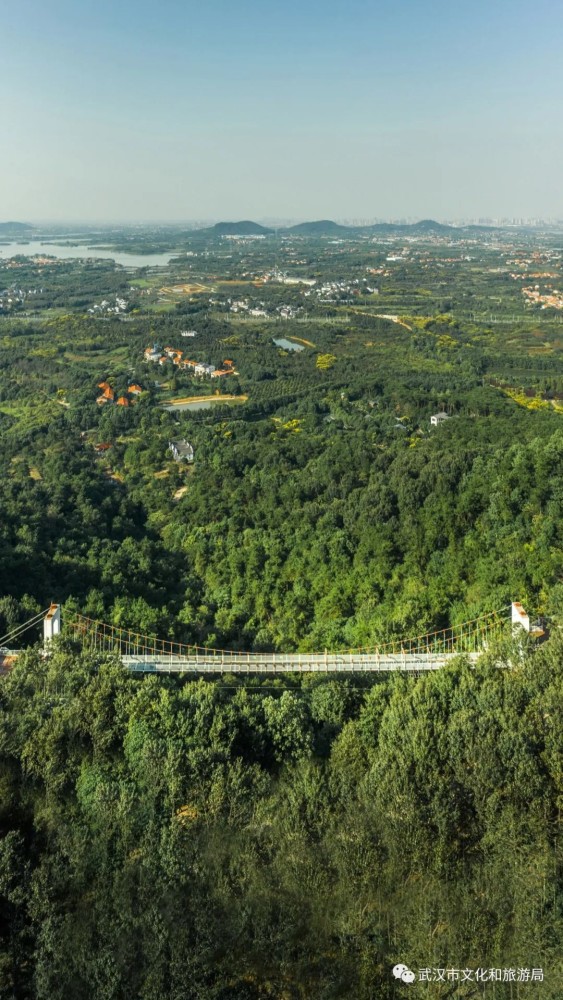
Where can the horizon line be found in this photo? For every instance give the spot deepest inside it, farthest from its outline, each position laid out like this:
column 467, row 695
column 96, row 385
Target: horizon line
column 270, row 222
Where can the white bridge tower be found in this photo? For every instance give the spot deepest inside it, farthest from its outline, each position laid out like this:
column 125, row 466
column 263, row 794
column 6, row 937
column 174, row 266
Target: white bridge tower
column 51, row 624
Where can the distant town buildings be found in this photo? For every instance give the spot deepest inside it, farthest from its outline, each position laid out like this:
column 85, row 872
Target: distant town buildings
column 260, row 310
column 548, row 300
column 153, row 353
column 108, row 308
column 282, row 278
column 199, row 368
column 108, row 395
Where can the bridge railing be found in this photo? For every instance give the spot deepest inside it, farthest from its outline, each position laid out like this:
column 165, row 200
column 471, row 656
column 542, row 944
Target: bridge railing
column 469, row 637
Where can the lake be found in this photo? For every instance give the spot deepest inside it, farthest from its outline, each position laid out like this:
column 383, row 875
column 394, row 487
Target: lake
column 36, row 247
column 288, row 345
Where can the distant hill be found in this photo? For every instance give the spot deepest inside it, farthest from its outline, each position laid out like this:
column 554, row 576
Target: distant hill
column 15, row 228
column 325, row 227
column 245, row 228
column 427, row 226
column 430, row 226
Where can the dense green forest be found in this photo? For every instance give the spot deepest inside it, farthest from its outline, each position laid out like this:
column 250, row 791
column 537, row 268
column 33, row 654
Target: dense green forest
column 213, row 840
column 169, row 839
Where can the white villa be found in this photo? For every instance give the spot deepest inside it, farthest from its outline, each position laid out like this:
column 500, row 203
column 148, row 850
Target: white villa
column 182, row 451
column 438, row 418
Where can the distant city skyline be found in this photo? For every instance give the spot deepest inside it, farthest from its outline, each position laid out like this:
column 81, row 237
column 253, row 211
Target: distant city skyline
column 277, row 222
column 366, row 110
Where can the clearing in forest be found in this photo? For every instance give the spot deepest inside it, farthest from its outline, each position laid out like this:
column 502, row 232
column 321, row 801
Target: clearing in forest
column 189, row 288
column 205, row 399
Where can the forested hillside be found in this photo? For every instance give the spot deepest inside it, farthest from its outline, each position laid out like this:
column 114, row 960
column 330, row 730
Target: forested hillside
column 207, row 840
column 297, row 443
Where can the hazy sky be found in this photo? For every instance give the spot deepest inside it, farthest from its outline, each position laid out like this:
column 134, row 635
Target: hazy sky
column 176, row 110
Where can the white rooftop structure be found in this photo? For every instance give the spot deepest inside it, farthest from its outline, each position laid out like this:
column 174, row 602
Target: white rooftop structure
column 438, row 418
column 182, row 450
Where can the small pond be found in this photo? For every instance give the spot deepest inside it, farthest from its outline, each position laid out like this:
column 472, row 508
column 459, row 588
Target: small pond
column 288, row 345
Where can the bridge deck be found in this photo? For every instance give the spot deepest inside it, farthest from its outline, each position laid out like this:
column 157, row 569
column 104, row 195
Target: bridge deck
column 274, row 663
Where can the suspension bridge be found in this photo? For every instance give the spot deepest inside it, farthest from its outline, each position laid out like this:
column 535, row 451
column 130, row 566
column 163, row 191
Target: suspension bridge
column 147, row 654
